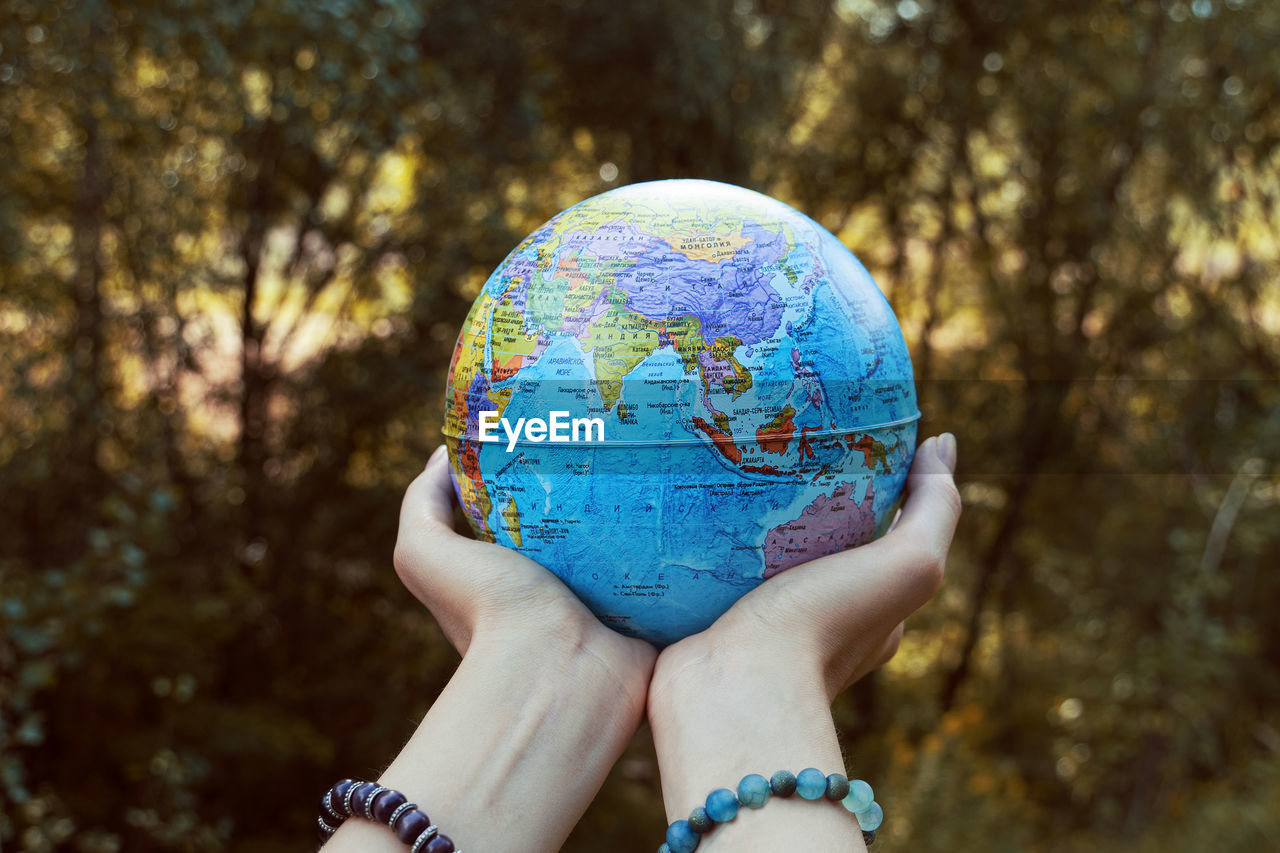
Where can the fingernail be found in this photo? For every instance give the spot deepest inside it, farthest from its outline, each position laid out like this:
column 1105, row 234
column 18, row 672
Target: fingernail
column 946, row 450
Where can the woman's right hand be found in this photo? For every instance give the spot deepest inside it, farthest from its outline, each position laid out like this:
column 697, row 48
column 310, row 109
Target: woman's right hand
column 752, row 693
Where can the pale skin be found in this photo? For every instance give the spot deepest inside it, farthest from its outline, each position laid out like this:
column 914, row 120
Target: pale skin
column 546, row 698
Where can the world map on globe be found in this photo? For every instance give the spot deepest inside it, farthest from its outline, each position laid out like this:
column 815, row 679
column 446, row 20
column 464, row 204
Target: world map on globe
column 751, row 394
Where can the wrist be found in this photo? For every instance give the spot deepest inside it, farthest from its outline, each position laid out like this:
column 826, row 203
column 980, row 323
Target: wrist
column 728, row 673
column 564, row 648
column 528, row 709
column 719, row 717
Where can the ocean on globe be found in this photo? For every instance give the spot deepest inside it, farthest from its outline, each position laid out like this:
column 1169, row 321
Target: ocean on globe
column 674, row 390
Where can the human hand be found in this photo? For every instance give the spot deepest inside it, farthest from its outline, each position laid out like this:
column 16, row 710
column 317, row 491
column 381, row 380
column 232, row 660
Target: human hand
column 474, row 588
column 752, row 693
column 545, row 699
column 840, row 616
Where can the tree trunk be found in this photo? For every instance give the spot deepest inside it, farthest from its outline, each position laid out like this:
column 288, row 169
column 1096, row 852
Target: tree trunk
column 254, row 371
column 1041, row 427
column 86, row 381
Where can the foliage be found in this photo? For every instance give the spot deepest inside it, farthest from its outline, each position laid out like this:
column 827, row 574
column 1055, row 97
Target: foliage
column 237, row 240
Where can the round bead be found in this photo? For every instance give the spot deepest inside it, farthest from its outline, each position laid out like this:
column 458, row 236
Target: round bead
column 377, row 791
column 811, row 784
column 701, row 822
column 360, row 796
column 753, row 791
column 871, row 817
column 837, row 786
column 859, row 797
column 667, row 849
column 386, row 804
column 424, row 838
column 401, row 809
column 410, row 825
column 439, row 844
column 339, row 797
column 783, row 783
column 868, row 837
column 722, row 805
column 682, row 839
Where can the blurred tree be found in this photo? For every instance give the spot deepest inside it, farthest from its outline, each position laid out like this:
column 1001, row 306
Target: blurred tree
column 236, row 243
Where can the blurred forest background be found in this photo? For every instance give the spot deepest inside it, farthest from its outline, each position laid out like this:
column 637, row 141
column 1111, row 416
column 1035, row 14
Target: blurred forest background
column 238, row 238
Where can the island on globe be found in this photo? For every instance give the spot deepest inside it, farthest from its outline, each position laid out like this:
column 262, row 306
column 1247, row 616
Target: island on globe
column 674, row 390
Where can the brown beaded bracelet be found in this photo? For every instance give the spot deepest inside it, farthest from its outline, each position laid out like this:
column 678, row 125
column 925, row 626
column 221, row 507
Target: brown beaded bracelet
column 374, row 802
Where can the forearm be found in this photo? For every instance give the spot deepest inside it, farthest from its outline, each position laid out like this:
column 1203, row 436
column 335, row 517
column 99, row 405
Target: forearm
column 713, row 725
column 512, row 751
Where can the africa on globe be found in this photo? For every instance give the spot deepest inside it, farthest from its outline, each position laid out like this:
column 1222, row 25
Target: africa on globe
column 747, row 398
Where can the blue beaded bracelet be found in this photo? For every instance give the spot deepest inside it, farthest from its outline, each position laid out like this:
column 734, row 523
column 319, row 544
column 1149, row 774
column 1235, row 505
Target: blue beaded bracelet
column 371, row 801
column 722, row 805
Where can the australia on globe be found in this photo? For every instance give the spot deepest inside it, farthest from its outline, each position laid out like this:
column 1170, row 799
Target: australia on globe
column 734, row 398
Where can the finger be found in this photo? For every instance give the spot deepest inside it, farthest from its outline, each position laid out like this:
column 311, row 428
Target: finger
column 888, row 648
column 869, row 659
column 891, row 644
column 427, row 546
column 428, row 542
column 919, row 543
column 431, row 495
column 880, row 584
column 912, row 557
column 933, row 504
column 426, row 518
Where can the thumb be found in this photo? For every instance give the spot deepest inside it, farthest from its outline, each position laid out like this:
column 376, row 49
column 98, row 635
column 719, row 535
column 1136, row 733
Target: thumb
column 932, row 509
column 431, row 496
column 426, row 518
column 883, row 582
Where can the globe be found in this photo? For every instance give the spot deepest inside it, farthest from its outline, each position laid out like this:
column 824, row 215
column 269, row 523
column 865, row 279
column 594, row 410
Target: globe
column 673, row 391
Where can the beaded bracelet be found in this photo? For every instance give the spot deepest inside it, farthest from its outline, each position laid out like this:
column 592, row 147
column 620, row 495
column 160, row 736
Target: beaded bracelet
column 754, row 791
column 371, row 801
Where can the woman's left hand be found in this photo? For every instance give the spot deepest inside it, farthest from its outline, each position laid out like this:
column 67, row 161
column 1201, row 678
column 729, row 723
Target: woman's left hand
column 545, row 699
column 479, row 588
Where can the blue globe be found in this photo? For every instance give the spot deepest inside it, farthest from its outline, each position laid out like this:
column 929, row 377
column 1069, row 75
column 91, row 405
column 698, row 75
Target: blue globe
column 674, row 390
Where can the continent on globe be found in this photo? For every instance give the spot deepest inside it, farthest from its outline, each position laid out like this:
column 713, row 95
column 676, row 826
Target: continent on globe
column 758, row 393
column 827, row 525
